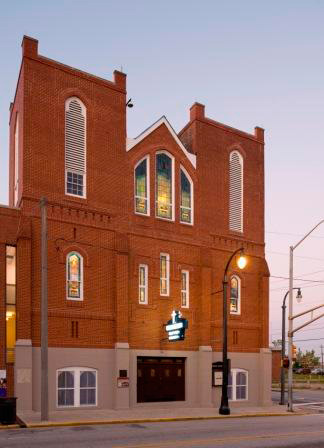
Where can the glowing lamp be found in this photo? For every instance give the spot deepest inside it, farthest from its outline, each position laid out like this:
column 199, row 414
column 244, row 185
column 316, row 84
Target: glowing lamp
column 241, row 261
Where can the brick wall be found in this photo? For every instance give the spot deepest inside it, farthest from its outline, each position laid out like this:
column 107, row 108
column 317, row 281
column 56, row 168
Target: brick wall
column 112, row 239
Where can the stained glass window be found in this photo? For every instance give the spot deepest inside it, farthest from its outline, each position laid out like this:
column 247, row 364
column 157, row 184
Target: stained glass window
column 185, row 289
column 164, row 186
column 74, row 276
column 142, row 283
column 186, row 198
column 235, row 295
column 141, row 187
column 164, row 274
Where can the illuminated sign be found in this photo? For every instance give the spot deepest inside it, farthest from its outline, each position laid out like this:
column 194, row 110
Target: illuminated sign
column 176, row 327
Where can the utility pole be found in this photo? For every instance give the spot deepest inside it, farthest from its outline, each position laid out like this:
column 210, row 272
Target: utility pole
column 44, row 313
column 322, row 357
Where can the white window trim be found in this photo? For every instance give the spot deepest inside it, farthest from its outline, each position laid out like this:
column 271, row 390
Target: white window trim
column 84, row 184
column 185, row 291
column 242, row 185
column 147, row 157
column 234, row 372
column 77, row 373
column 84, row 112
column 238, row 312
column 162, row 254
column 145, row 286
column 78, row 299
column 172, row 186
column 191, row 197
column 16, row 179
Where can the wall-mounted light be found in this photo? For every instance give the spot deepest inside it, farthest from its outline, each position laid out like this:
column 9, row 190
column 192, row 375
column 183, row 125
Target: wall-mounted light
column 129, row 103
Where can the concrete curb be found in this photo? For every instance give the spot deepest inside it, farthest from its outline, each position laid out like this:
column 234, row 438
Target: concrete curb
column 155, row 420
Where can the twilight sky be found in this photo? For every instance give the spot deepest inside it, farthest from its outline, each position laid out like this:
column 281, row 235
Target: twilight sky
column 252, row 63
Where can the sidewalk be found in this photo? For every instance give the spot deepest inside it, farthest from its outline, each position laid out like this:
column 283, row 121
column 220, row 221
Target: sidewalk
column 141, row 415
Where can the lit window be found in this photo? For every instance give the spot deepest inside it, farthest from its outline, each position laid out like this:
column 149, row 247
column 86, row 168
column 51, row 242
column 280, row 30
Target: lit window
column 76, row 386
column 164, row 274
column 143, row 283
column 74, row 266
column 236, row 192
column 185, row 289
column 75, row 147
column 10, row 303
column 164, row 186
column 238, row 385
column 186, row 203
column 142, row 193
column 235, row 295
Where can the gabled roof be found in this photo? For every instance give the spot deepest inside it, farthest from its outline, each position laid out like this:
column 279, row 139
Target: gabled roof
column 131, row 142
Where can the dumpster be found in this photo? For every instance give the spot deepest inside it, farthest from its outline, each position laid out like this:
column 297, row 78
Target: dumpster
column 8, row 410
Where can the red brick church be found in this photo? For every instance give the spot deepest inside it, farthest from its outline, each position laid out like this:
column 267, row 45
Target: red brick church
column 138, row 229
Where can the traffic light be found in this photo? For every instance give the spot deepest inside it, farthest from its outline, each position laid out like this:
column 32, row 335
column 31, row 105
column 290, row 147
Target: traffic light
column 294, row 352
column 285, row 362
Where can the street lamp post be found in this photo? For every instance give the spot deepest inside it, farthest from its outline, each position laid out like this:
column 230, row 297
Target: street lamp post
column 224, row 408
column 290, row 316
column 283, row 343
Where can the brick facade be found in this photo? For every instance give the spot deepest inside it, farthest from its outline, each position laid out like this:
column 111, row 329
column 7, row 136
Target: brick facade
column 112, row 239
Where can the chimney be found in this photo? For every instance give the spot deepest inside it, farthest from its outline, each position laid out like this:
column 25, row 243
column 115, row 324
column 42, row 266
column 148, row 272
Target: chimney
column 197, row 112
column 29, row 47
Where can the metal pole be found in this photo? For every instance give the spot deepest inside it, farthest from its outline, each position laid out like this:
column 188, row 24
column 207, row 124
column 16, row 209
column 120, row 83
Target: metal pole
column 44, row 314
column 290, row 329
column 322, row 356
column 224, row 408
column 283, row 351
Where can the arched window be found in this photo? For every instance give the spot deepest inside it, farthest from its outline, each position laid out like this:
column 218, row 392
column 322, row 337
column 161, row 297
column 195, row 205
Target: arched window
column 238, row 385
column 236, row 192
column 235, row 295
column 186, row 199
column 77, row 386
column 142, row 186
column 164, row 185
column 74, row 270
column 75, row 147
column 16, row 186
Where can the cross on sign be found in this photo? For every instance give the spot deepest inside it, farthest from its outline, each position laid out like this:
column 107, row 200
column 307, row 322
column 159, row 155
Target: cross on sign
column 175, row 314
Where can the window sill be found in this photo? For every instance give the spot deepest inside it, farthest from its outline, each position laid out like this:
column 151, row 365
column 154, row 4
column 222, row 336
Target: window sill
column 147, row 215
column 164, row 219
column 147, row 306
column 75, row 303
column 187, row 223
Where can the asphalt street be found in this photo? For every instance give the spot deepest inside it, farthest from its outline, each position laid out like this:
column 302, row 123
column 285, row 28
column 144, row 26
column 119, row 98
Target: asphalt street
column 306, row 399
column 297, row 431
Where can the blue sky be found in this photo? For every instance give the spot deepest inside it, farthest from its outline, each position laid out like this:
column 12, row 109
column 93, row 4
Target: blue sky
column 252, row 63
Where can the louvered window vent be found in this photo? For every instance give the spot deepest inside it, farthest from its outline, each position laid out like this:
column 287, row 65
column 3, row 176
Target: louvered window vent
column 236, row 192
column 75, row 147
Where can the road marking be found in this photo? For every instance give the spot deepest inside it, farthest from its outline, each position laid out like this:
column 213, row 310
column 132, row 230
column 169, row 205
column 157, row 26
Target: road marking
column 308, row 404
column 194, row 442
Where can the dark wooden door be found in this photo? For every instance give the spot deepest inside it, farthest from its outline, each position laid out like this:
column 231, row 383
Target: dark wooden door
column 160, row 379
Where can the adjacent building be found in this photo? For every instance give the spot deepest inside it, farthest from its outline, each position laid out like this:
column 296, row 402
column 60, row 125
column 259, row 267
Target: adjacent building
column 139, row 231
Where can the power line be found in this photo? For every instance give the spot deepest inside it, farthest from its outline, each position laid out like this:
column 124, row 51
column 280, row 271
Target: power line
column 296, row 256
column 303, row 287
column 307, row 329
column 298, row 279
column 292, row 234
column 301, row 275
column 305, row 340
